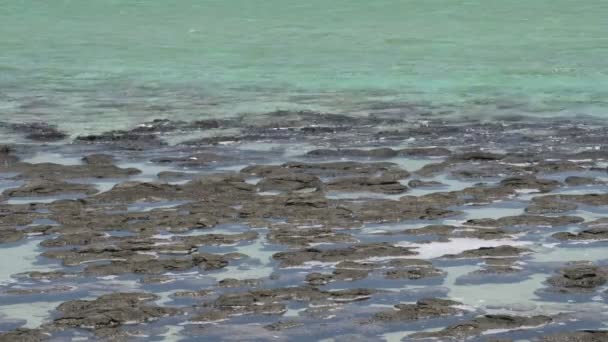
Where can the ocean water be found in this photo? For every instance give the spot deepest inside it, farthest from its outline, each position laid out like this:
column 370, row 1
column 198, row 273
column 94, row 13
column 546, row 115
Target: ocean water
column 99, row 64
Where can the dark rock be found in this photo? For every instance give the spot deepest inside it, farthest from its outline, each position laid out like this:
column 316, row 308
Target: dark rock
column 98, row 159
column 39, row 131
column 49, row 188
column 193, row 160
column 307, row 236
column 8, row 235
column 579, row 278
column 423, row 309
column 424, row 152
column 356, row 252
column 549, row 205
column 110, row 311
column 58, row 171
column 234, row 283
column 543, row 185
column 333, row 169
column 380, row 153
column 173, row 175
column 283, row 325
column 23, row 335
column 414, row 273
column 417, row 183
column 385, row 185
column 526, row 220
column 339, row 274
column 580, row 181
column 578, row 336
column 587, row 234
column 290, row 182
column 124, row 139
column 492, row 252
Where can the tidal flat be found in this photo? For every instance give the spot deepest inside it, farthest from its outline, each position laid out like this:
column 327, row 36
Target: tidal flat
column 302, row 226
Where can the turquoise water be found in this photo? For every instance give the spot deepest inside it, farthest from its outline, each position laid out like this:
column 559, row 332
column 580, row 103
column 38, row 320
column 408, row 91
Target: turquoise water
column 106, row 63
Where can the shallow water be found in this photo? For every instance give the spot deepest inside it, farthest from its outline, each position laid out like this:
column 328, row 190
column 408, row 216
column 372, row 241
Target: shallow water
column 87, row 65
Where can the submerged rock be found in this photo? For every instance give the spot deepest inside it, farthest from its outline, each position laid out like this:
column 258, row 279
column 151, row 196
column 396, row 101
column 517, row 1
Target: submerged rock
column 39, row 131
column 481, row 324
column 283, row 325
column 381, row 153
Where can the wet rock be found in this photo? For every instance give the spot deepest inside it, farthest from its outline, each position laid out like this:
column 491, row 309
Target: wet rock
column 35, row 291
column 588, row 199
column 356, row 252
column 129, row 192
column 385, row 185
column 234, row 283
column 173, row 175
column 491, row 252
column 543, row 185
column 290, row 182
column 307, row 236
column 578, row 336
column 436, row 229
column 23, row 335
column 481, row 324
column 193, row 160
column 110, row 311
column 6, row 157
column 52, row 275
column 417, row 183
column 380, row 153
column 10, row 235
column 53, row 171
column 476, row 156
column 192, row 294
column 544, row 205
column 424, row 152
column 39, row 131
column 332, row 169
column 423, row 309
column 271, row 301
column 526, row 220
column 339, row 274
column 414, row 273
column 49, row 188
column 283, row 325
column 124, row 139
column 580, row 181
column 579, row 278
column 98, row 159
column 587, row 234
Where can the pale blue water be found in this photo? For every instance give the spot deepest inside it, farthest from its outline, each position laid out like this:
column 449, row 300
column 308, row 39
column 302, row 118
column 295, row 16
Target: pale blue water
column 96, row 64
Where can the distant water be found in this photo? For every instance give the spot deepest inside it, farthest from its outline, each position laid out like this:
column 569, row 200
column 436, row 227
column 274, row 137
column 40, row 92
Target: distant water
column 98, row 64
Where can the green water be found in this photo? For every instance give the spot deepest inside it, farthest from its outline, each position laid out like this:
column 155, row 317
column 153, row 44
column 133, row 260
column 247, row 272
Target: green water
column 105, row 63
